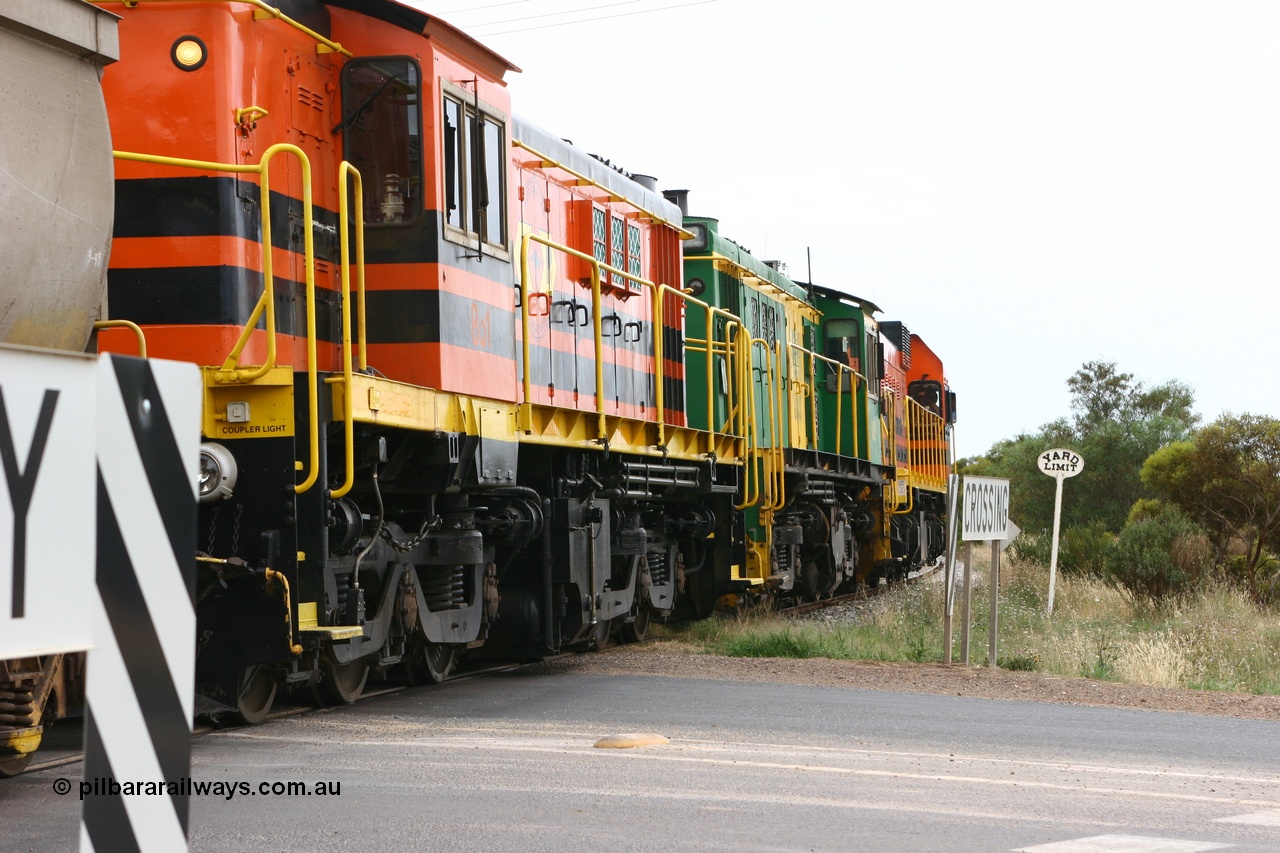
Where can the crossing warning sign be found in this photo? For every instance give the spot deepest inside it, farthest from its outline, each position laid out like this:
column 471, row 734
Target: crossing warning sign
column 985, row 508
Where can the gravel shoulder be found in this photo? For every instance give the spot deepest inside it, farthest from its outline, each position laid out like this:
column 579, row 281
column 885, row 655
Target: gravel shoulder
column 674, row 659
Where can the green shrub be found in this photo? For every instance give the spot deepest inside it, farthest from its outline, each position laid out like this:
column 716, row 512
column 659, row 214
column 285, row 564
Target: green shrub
column 1143, row 509
column 1021, row 660
column 1032, row 547
column 1084, row 550
column 1161, row 556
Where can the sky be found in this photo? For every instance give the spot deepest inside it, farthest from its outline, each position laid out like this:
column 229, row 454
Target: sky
column 1027, row 184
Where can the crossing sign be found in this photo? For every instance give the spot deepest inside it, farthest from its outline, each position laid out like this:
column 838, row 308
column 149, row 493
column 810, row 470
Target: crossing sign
column 47, row 501
column 985, row 508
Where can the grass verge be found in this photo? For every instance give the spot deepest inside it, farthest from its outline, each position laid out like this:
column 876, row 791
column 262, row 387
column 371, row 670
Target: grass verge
column 1215, row 640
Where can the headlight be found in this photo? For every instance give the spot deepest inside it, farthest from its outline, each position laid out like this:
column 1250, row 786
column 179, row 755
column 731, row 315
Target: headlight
column 188, row 53
column 698, row 242
column 218, row 473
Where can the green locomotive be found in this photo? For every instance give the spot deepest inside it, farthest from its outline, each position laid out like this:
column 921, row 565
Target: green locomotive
column 847, row 437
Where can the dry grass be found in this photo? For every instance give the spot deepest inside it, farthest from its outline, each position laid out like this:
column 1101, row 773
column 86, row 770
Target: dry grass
column 1215, row 640
column 1155, row 660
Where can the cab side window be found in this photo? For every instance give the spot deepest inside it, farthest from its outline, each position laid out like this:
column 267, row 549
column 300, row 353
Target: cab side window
column 843, row 340
column 475, row 179
column 382, row 136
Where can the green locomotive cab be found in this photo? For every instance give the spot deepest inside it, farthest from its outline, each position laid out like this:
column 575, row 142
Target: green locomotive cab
column 739, row 369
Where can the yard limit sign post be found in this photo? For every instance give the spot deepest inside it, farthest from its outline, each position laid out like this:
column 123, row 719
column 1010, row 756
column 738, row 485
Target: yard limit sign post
column 986, row 519
column 1059, row 464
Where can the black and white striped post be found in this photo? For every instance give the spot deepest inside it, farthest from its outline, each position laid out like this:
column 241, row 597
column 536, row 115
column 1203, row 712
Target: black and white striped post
column 141, row 675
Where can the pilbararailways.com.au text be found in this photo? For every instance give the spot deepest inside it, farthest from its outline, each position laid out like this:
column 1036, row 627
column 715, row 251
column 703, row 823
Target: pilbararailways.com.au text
column 188, row 787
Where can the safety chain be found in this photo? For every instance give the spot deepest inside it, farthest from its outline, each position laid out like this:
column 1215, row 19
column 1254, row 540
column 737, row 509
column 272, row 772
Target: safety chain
column 235, row 530
column 403, row 547
column 213, row 527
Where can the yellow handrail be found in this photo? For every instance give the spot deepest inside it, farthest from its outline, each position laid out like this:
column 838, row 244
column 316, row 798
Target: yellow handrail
column 769, row 456
column 888, row 435
column 264, row 11
column 710, row 347
column 348, row 405
column 231, row 372
column 855, row 378
column 782, row 402
column 909, row 475
column 746, row 416
column 126, row 324
column 597, row 329
column 910, row 472
column 658, row 291
column 926, row 444
column 548, row 163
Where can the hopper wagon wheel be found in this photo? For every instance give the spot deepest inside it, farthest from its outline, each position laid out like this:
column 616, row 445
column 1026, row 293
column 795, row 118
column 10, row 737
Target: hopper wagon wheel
column 341, row 683
column 13, row 765
column 256, row 693
column 636, row 631
column 431, row 663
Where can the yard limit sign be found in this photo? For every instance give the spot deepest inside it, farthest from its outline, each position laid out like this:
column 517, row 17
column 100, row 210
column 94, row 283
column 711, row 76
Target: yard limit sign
column 985, row 509
column 1060, row 464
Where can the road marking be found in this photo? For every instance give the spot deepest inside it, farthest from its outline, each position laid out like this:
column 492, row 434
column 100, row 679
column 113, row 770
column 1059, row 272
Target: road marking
column 678, row 753
column 543, row 732
column 1123, row 844
column 630, row 741
column 1271, row 818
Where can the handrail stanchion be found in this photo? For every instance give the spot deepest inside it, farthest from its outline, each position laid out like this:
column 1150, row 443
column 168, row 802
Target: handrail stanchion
column 598, row 334
column 126, row 324
column 527, row 380
column 659, row 397
column 344, row 243
column 313, row 405
column 231, row 372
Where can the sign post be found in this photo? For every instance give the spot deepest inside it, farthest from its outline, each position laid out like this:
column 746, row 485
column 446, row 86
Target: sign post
column 1059, row 464
column 986, row 519
column 949, row 597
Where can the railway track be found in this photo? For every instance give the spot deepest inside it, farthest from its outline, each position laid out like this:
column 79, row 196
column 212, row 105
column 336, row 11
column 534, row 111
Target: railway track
column 63, row 744
column 861, row 595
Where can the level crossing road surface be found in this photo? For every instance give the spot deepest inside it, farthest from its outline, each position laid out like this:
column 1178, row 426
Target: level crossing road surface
column 506, row 762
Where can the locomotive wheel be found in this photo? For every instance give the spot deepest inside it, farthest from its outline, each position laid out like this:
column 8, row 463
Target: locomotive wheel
column 256, row 693
column 14, row 765
column 635, row 632
column 431, row 663
column 342, row 683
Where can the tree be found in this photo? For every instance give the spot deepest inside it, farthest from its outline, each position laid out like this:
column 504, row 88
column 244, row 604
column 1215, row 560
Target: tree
column 1098, row 393
column 1228, row 478
column 1117, row 423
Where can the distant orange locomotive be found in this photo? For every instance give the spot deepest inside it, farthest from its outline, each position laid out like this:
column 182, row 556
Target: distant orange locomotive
column 464, row 388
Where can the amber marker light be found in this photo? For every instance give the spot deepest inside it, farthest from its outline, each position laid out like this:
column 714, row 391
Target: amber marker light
column 188, row 53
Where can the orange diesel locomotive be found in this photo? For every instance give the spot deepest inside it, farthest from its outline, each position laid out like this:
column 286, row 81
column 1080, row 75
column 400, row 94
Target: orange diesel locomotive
column 438, row 410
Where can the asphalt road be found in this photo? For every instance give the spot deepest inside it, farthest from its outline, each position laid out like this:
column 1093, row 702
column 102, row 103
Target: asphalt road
column 506, row 762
